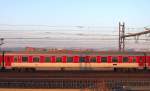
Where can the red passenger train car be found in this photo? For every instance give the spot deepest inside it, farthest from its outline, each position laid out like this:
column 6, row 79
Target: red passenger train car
column 75, row 61
column 1, row 59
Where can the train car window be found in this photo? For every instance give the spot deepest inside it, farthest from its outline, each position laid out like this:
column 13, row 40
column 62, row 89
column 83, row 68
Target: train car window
column 15, row 59
column 0, row 57
column 93, row 60
column 104, row 59
column 141, row 59
column 69, row 59
column 58, row 59
column 81, row 59
column 125, row 59
column 24, row 59
column 134, row 60
column 114, row 59
column 47, row 59
column 36, row 59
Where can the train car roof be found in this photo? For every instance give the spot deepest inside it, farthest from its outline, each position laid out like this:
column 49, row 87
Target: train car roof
column 74, row 52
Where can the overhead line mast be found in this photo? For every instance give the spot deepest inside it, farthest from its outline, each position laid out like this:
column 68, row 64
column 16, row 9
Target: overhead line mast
column 121, row 38
column 122, row 35
column 1, row 42
column 138, row 34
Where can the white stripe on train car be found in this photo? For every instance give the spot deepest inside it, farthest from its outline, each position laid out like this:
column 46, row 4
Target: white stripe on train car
column 77, row 65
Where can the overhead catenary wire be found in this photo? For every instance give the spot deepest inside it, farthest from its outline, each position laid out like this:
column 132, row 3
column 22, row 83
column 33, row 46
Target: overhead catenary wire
column 110, row 34
column 66, row 38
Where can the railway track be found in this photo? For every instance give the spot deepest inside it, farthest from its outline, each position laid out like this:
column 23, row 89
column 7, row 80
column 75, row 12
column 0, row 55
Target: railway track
column 76, row 74
column 74, row 79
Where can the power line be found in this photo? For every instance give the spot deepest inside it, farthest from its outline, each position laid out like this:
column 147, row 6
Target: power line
column 77, row 26
column 66, row 38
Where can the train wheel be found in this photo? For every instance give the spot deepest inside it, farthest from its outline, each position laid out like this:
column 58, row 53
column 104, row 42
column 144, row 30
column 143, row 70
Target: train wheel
column 62, row 69
column 115, row 70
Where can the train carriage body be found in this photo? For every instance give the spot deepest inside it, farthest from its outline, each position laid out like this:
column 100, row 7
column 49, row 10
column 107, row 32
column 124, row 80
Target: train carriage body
column 90, row 61
column 147, row 60
column 1, row 58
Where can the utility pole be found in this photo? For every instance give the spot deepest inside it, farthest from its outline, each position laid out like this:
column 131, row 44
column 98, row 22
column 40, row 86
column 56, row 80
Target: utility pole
column 1, row 42
column 121, row 36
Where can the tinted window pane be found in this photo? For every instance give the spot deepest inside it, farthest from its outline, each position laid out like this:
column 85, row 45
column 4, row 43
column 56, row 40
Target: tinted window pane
column 93, row 59
column 125, row 59
column 81, row 59
column 24, row 59
column 70, row 59
column 134, row 59
column 47, row 59
column 104, row 59
column 114, row 59
column 36, row 59
column 58, row 59
column 141, row 59
column 15, row 58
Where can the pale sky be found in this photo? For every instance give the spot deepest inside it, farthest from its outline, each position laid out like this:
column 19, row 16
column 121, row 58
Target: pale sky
column 75, row 12
column 17, row 18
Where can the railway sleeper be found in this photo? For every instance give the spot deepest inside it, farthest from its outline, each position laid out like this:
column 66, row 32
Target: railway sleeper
column 23, row 69
column 127, row 69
